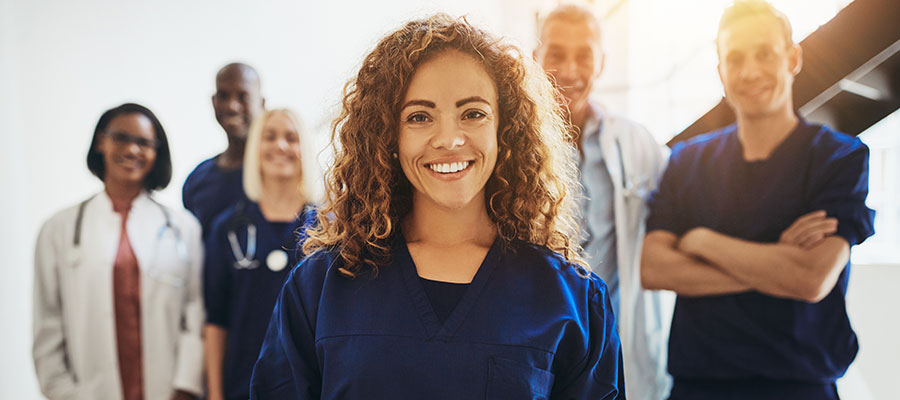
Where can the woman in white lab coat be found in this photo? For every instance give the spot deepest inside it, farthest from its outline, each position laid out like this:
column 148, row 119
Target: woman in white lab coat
column 117, row 304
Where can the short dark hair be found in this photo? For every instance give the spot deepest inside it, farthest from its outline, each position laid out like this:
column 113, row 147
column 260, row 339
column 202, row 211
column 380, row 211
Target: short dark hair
column 161, row 173
column 741, row 9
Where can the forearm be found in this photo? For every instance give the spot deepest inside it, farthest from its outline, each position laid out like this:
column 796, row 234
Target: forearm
column 665, row 267
column 214, row 346
column 777, row 269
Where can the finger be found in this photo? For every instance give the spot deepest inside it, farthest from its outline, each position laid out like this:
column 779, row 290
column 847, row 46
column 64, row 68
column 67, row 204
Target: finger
column 812, row 241
column 799, row 224
column 824, row 228
column 811, row 216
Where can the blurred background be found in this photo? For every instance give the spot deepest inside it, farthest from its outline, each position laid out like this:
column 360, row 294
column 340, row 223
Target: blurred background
column 62, row 63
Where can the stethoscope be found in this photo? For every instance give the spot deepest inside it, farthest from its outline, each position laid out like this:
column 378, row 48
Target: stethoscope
column 276, row 260
column 154, row 270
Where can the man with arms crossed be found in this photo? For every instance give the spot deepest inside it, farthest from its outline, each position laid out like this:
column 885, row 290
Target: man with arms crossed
column 216, row 183
column 752, row 227
column 620, row 163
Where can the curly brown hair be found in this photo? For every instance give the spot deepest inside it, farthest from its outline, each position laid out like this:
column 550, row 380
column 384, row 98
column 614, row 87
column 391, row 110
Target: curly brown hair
column 531, row 195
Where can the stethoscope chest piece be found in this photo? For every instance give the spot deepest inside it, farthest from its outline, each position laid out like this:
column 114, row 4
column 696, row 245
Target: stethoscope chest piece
column 277, row 260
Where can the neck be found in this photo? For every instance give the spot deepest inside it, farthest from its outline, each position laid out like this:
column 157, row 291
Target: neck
column 124, row 193
column 578, row 116
column 431, row 224
column 281, row 200
column 760, row 136
column 233, row 156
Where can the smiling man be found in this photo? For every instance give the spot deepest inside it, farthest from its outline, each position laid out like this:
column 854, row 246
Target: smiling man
column 215, row 184
column 619, row 163
column 752, row 226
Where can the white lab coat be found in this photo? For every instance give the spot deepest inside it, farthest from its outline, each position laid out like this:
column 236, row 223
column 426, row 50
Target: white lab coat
column 74, row 322
column 644, row 317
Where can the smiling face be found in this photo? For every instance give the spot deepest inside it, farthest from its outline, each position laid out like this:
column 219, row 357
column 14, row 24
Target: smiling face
column 237, row 100
column 128, row 145
column 279, row 149
column 757, row 67
column 571, row 53
column 448, row 131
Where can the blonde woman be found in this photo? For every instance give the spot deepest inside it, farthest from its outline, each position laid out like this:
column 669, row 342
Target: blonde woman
column 443, row 266
column 251, row 249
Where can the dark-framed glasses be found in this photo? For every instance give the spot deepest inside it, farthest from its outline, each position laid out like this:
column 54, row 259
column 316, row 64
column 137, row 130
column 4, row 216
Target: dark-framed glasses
column 123, row 139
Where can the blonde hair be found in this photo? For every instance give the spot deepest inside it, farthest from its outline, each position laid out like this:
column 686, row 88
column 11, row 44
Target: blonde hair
column 252, row 177
column 529, row 197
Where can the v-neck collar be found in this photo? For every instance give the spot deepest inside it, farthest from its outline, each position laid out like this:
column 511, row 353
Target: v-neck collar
column 285, row 239
column 434, row 330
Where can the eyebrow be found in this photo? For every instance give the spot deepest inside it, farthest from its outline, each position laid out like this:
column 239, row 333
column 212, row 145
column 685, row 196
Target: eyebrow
column 424, row 103
column 460, row 103
column 471, row 100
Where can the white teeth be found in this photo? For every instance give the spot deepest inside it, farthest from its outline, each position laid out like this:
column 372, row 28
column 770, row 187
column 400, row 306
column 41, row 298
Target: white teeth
column 448, row 168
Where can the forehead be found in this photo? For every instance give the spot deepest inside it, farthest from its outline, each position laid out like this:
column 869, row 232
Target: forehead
column 749, row 33
column 280, row 120
column 237, row 81
column 565, row 33
column 135, row 124
column 451, row 76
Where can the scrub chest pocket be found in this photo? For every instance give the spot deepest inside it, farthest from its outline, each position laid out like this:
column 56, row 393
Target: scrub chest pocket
column 508, row 379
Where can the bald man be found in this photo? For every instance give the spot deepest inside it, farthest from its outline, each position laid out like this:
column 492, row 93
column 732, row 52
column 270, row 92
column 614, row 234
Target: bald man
column 216, row 183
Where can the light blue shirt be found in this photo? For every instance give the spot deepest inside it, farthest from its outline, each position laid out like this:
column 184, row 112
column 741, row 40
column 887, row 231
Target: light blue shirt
column 597, row 219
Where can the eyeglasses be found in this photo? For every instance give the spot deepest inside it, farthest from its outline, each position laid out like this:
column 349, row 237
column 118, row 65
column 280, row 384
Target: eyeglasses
column 123, row 139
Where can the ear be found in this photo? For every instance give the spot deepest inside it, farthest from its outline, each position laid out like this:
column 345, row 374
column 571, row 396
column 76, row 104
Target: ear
column 796, row 59
column 719, row 69
column 602, row 64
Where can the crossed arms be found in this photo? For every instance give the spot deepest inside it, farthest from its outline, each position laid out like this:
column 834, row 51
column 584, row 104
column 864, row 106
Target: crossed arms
column 804, row 265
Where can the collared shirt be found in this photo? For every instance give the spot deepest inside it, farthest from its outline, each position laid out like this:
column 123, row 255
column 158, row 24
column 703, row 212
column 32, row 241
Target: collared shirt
column 597, row 218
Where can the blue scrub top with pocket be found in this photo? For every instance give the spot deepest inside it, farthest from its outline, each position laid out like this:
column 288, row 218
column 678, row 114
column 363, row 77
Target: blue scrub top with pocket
column 528, row 326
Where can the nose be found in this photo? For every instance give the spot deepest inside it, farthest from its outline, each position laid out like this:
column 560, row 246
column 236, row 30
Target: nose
column 751, row 69
column 448, row 135
column 568, row 70
column 132, row 148
column 233, row 104
column 282, row 143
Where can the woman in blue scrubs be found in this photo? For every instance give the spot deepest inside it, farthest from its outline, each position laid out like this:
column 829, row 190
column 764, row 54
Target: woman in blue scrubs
column 443, row 265
column 251, row 249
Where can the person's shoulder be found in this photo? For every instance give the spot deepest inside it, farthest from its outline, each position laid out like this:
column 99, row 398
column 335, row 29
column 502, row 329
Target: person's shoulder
column 703, row 143
column 545, row 262
column 202, row 170
column 316, row 267
column 62, row 220
column 834, row 144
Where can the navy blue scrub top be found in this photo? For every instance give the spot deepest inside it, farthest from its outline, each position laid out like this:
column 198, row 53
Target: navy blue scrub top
column 753, row 335
column 240, row 299
column 209, row 190
column 528, row 326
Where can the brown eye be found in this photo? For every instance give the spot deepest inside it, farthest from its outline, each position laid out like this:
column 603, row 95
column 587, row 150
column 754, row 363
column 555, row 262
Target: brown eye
column 474, row 114
column 417, row 118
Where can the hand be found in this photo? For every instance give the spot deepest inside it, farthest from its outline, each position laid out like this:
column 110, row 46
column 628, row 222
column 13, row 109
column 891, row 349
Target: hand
column 809, row 230
column 182, row 395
